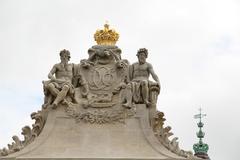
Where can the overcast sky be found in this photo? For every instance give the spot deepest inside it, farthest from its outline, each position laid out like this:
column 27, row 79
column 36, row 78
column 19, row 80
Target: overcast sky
column 194, row 47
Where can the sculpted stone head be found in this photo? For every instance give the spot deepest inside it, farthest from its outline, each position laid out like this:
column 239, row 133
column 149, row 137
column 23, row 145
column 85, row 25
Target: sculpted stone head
column 142, row 55
column 64, row 55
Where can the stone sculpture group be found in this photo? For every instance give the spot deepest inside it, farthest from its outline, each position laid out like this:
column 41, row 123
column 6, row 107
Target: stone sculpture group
column 103, row 69
column 104, row 88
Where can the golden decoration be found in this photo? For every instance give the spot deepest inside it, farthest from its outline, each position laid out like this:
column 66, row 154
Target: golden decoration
column 106, row 36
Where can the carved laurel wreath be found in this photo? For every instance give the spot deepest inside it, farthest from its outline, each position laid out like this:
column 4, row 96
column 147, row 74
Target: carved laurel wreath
column 100, row 116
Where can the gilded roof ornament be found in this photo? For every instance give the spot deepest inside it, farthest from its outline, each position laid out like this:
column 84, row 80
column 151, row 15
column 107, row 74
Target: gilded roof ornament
column 106, row 36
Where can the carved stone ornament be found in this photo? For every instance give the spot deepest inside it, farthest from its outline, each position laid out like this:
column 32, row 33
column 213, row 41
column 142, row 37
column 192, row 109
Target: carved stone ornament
column 164, row 133
column 28, row 133
column 101, row 116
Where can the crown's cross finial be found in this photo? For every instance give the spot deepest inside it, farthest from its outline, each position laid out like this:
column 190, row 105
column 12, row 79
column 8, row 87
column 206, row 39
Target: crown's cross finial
column 106, row 25
column 106, row 36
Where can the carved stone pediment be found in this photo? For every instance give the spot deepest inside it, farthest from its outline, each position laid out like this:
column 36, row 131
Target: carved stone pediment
column 101, row 108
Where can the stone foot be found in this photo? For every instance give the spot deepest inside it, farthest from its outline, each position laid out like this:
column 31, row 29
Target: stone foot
column 54, row 105
column 126, row 105
column 147, row 103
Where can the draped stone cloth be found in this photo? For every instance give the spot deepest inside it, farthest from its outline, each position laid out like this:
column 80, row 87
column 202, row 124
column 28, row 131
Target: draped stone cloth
column 136, row 89
column 59, row 85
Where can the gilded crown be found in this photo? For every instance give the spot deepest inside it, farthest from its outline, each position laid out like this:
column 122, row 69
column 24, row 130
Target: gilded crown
column 106, row 36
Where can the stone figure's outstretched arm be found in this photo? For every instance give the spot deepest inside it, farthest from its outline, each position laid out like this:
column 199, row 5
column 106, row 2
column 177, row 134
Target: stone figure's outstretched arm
column 153, row 74
column 52, row 72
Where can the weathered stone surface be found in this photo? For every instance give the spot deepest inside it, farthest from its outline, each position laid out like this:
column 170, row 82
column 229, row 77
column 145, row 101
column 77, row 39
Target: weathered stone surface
column 62, row 137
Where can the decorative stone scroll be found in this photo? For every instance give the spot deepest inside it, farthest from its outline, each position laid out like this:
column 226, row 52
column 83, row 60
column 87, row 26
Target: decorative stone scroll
column 164, row 133
column 28, row 133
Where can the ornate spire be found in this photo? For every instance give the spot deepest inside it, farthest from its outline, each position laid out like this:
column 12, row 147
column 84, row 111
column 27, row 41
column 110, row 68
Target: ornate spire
column 200, row 148
column 106, row 36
